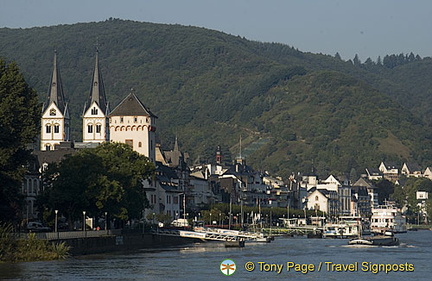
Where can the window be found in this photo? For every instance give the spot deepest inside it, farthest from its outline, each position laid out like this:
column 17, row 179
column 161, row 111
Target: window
column 98, row 128
column 48, row 147
column 175, row 200
column 121, row 119
column 129, row 142
column 316, row 198
column 48, row 129
column 52, row 112
column 94, row 111
column 90, row 129
column 135, row 119
column 56, row 128
column 140, row 144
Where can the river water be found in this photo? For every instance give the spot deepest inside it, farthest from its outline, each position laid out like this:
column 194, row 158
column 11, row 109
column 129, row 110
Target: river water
column 297, row 258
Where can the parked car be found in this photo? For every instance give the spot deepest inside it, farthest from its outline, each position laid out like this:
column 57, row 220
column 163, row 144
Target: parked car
column 37, row 227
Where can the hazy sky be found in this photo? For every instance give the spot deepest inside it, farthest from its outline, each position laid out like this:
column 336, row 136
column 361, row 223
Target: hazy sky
column 369, row 28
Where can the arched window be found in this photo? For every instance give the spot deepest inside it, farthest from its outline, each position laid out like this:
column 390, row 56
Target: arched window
column 48, row 147
column 48, row 129
column 98, row 128
column 140, row 144
column 90, row 129
column 94, row 111
column 316, row 198
column 56, row 128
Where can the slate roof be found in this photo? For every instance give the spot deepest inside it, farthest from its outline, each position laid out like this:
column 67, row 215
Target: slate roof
column 373, row 171
column 131, row 106
column 97, row 89
column 55, row 91
column 363, row 182
column 412, row 167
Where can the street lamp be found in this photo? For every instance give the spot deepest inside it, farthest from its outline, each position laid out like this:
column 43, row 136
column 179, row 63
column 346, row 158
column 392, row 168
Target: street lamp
column 84, row 224
column 106, row 222
column 55, row 227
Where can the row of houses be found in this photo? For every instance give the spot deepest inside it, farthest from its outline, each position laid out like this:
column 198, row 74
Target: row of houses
column 177, row 188
column 392, row 172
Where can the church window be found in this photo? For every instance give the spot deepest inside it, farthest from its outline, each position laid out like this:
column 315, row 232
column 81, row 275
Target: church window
column 56, row 128
column 316, row 198
column 135, row 119
column 121, row 119
column 48, row 129
column 98, row 128
column 94, row 111
column 90, row 129
column 53, row 112
column 48, row 147
column 140, row 144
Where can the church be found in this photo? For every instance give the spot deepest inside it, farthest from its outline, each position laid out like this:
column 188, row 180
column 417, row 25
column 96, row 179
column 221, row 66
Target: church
column 131, row 122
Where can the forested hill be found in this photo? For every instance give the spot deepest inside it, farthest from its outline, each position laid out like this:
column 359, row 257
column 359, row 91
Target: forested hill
column 294, row 110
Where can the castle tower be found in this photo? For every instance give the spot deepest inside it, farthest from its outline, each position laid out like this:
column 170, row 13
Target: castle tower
column 55, row 122
column 95, row 120
column 134, row 124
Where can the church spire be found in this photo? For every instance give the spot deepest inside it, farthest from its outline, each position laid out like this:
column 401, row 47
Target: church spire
column 176, row 147
column 97, row 90
column 55, row 91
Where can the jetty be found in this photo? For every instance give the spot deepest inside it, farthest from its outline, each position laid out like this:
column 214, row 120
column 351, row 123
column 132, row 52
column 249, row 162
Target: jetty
column 214, row 234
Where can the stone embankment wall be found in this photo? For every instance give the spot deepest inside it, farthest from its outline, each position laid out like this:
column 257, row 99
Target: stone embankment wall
column 121, row 242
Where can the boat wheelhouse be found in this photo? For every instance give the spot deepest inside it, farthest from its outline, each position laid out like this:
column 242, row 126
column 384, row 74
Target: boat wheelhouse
column 387, row 218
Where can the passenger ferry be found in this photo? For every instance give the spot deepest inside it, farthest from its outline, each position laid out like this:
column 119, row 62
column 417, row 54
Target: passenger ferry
column 387, row 218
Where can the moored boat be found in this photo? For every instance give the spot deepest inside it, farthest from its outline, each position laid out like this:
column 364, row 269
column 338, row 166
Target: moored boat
column 235, row 243
column 387, row 218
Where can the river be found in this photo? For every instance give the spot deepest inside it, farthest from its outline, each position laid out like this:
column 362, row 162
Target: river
column 296, row 258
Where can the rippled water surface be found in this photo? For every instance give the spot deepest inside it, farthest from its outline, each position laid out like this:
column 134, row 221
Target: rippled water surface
column 318, row 259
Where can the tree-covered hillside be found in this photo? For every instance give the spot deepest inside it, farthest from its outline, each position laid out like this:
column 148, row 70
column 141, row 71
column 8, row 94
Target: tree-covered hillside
column 293, row 110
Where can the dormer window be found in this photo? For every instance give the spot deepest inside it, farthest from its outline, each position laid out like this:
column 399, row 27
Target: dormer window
column 94, row 111
column 52, row 112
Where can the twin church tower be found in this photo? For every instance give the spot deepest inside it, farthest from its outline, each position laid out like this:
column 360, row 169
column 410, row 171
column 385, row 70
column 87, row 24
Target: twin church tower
column 130, row 122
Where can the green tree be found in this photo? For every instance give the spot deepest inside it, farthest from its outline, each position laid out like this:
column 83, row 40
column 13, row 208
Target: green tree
column 105, row 179
column 19, row 125
column 356, row 60
column 384, row 189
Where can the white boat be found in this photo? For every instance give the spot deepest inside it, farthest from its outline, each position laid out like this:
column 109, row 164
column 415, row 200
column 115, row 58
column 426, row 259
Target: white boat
column 347, row 228
column 387, row 218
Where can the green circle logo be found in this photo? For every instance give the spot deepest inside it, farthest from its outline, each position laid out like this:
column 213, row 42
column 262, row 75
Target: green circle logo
column 228, row 267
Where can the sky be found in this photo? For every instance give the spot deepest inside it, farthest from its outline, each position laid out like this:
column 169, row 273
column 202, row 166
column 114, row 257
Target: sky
column 368, row 28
